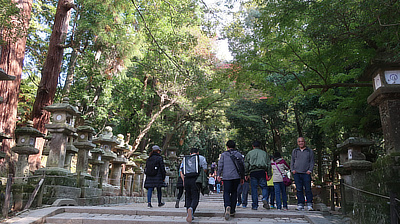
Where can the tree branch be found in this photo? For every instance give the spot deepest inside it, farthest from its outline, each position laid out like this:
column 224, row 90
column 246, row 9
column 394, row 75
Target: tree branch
column 334, row 85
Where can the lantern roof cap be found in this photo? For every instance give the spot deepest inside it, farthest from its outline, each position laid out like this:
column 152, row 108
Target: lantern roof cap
column 64, row 106
column 5, row 76
column 355, row 141
column 28, row 129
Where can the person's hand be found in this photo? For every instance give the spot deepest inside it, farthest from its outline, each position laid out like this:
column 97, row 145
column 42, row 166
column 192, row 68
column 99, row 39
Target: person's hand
column 246, row 178
column 241, row 181
column 308, row 172
column 294, row 171
column 219, row 178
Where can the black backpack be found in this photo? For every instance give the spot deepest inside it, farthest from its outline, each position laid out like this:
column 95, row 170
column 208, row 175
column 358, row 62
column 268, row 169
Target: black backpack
column 191, row 166
column 239, row 164
column 152, row 166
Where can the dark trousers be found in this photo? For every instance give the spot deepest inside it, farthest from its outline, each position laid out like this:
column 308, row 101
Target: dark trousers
column 180, row 193
column 303, row 181
column 192, row 193
column 271, row 195
column 230, row 193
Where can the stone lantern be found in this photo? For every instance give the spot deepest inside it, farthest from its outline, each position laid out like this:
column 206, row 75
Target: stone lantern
column 3, row 136
column 25, row 146
column 107, row 141
column 70, row 151
column 353, row 166
column 116, row 169
column 386, row 95
column 5, row 77
column 84, row 144
column 96, row 162
column 61, row 127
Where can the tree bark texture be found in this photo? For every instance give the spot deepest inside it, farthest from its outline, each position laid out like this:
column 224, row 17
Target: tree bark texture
column 11, row 61
column 50, row 73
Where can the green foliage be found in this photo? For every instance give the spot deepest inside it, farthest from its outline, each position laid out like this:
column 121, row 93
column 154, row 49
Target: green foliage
column 9, row 17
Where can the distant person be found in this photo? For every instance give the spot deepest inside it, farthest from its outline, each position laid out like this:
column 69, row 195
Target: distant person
column 243, row 193
column 271, row 189
column 155, row 175
column 302, row 166
column 211, row 183
column 279, row 168
column 257, row 163
column 230, row 174
column 189, row 166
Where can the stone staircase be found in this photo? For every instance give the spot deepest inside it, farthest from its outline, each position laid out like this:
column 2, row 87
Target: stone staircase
column 209, row 211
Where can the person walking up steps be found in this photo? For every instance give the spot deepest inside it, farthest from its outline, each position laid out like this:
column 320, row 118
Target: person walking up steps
column 302, row 166
column 229, row 171
column 190, row 170
column 279, row 167
column 179, row 187
column 155, row 175
column 256, row 164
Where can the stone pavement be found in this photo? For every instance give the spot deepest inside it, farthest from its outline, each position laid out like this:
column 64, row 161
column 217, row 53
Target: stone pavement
column 209, row 211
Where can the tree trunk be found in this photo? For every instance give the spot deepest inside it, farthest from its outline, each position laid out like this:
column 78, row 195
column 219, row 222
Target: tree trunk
column 148, row 126
column 299, row 127
column 11, row 61
column 51, row 71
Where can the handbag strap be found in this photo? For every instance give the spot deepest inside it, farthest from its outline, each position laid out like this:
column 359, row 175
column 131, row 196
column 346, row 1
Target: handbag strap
column 278, row 168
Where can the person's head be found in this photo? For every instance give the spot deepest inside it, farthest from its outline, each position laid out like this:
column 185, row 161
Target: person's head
column 155, row 149
column 277, row 155
column 194, row 151
column 256, row 144
column 301, row 143
column 230, row 144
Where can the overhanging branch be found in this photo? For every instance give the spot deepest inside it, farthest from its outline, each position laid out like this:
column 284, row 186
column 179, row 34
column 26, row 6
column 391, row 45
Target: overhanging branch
column 334, row 85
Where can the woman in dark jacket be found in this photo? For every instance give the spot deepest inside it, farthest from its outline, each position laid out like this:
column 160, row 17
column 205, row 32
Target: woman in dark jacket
column 156, row 163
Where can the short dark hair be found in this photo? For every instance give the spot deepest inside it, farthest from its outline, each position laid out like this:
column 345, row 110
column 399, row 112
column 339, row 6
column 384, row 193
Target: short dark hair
column 256, row 143
column 194, row 150
column 277, row 155
column 231, row 144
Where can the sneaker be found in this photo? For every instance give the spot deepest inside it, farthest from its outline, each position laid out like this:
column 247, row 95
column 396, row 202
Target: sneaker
column 310, row 208
column 238, row 204
column 149, row 205
column 265, row 205
column 189, row 216
column 161, row 204
column 177, row 203
column 285, row 209
column 227, row 212
column 300, row 207
column 233, row 214
column 244, row 206
column 272, row 207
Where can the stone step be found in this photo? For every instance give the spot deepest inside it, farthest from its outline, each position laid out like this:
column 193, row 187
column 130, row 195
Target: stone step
column 86, row 218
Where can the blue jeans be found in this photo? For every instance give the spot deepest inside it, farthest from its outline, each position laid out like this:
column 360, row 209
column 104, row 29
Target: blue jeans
column 255, row 182
column 150, row 192
column 218, row 188
column 280, row 188
column 303, row 181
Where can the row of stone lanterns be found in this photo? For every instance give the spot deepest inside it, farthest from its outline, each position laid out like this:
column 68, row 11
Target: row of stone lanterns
column 62, row 143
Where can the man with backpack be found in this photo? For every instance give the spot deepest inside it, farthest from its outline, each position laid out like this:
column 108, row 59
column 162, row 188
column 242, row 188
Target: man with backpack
column 257, row 163
column 190, row 170
column 231, row 169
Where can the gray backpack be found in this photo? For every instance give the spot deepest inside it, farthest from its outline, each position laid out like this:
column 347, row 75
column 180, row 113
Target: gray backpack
column 191, row 166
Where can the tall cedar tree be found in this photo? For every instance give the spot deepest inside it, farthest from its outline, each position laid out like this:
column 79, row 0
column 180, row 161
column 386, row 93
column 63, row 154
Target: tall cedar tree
column 11, row 61
column 51, row 70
